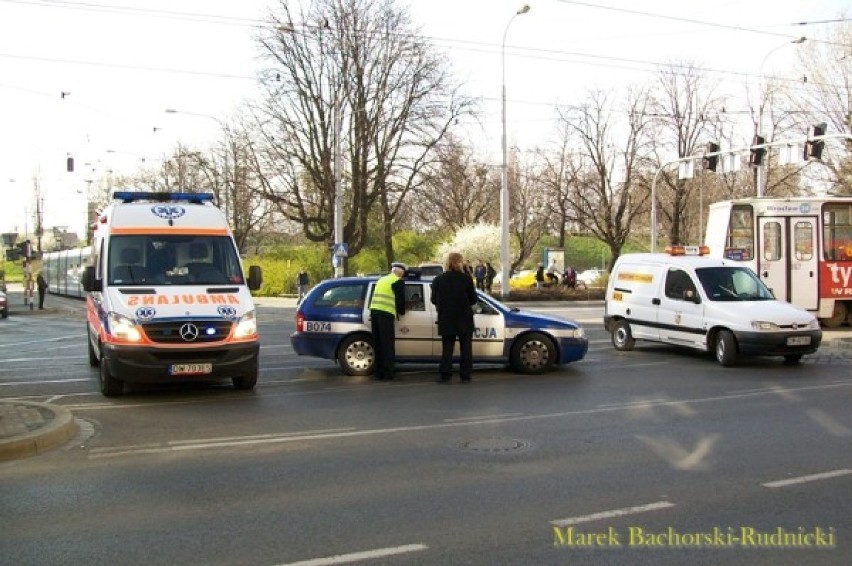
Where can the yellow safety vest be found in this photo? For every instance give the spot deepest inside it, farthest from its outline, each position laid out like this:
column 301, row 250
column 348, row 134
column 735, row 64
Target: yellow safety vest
column 383, row 297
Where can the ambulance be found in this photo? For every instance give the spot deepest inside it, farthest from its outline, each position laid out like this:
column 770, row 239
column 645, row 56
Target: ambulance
column 685, row 298
column 167, row 300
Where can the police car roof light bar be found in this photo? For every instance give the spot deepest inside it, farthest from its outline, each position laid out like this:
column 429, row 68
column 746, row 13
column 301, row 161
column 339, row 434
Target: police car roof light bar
column 133, row 196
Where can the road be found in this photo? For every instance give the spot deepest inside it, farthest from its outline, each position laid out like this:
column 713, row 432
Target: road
column 656, row 456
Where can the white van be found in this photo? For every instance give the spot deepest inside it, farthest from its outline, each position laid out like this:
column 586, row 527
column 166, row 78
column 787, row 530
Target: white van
column 681, row 297
column 167, row 300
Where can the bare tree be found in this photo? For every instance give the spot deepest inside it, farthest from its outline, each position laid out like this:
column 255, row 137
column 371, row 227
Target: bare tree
column 684, row 107
column 362, row 63
column 603, row 206
column 558, row 176
column 458, row 189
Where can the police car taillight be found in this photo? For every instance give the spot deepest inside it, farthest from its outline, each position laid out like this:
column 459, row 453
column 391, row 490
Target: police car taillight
column 688, row 250
column 300, row 321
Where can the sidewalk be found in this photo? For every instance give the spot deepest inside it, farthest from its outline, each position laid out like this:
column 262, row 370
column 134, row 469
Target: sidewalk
column 28, row 428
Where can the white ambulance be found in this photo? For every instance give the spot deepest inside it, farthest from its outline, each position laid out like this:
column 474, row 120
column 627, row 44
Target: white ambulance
column 166, row 296
column 681, row 297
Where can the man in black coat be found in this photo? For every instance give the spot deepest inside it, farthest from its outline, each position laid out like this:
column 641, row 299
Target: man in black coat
column 454, row 296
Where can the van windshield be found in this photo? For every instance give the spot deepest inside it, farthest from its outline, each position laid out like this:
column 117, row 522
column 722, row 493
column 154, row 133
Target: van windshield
column 732, row 284
column 154, row 259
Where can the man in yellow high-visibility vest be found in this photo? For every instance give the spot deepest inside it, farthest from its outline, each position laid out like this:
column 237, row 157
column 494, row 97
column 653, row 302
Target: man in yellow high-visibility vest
column 386, row 305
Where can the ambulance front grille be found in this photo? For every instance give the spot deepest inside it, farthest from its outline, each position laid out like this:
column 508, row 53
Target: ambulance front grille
column 188, row 331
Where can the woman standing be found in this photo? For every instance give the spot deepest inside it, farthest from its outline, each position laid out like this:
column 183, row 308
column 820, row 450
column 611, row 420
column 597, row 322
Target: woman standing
column 454, row 296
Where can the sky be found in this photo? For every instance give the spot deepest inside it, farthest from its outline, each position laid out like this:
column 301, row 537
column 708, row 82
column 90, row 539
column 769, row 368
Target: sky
column 121, row 63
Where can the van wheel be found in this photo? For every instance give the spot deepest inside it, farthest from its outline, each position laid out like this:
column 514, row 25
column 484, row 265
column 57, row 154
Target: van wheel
column 837, row 317
column 110, row 386
column 356, row 355
column 792, row 359
column 94, row 361
column 533, row 353
column 622, row 338
column 726, row 348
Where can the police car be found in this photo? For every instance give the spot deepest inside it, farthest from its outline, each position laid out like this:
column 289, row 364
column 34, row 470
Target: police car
column 333, row 322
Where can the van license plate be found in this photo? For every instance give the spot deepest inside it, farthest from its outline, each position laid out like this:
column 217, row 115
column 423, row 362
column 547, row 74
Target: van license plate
column 190, row 369
column 798, row 340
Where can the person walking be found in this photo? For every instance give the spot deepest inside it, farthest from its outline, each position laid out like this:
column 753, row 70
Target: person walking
column 490, row 274
column 454, row 296
column 386, row 306
column 42, row 288
column 302, row 282
column 479, row 274
column 539, row 276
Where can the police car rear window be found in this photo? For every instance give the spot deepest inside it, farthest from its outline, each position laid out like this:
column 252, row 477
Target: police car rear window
column 343, row 296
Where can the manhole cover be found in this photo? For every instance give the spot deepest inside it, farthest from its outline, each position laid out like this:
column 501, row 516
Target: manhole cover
column 494, row 445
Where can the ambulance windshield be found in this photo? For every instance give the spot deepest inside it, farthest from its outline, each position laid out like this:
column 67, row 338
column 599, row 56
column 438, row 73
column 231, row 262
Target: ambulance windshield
column 732, row 284
column 154, row 259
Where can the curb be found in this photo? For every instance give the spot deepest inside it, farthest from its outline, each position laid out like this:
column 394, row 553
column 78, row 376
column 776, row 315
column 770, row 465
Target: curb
column 60, row 429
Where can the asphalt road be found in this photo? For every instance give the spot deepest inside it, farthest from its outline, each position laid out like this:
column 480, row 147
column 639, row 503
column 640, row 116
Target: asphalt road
column 657, row 456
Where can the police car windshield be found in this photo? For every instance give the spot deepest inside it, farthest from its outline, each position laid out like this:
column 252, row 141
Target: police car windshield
column 153, row 259
column 732, row 284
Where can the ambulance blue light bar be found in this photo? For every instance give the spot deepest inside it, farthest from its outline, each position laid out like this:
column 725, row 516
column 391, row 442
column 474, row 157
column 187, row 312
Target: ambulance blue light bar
column 134, row 196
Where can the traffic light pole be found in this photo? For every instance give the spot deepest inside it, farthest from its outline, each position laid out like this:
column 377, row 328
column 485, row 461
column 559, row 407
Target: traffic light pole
column 781, row 143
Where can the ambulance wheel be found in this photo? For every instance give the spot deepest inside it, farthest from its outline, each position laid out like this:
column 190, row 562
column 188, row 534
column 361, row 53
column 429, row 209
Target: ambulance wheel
column 622, row 338
column 837, row 317
column 246, row 382
column 356, row 355
column 533, row 353
column 94, row 361
column 110, row 386
column 726, row 348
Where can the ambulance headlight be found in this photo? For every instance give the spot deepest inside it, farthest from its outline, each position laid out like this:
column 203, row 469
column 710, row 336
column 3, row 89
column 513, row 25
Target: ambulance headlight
column 246, row 327
column 763, row 325
column 122, row 328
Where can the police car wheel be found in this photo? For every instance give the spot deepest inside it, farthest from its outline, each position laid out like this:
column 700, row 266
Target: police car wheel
column 356, row 355
column 726, row 348
column 110, row 386
column 533, row 353
column 622, row 338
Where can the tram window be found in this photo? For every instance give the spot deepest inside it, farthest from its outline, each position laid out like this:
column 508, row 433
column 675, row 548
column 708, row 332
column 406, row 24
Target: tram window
column 803, row 234
column 772, row 241
column 837, row 231
column 741, row 231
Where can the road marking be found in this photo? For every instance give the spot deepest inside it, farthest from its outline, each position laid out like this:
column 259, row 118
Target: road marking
column 610, row 514
column 358, row 556
column 805, row 479
column 7, row 383
column 480, row 417
column 199, row 444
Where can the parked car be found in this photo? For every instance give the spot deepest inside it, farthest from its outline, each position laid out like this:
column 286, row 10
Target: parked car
column 333, row 322
column 4, row 305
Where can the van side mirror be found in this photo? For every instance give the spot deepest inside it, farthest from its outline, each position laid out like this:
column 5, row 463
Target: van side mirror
column 255, row 278
column 691, row 296
column 90, row 283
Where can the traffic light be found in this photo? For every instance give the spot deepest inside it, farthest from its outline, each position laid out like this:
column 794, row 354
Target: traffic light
column 711, row 161
column 756, row 154
column 813, row 148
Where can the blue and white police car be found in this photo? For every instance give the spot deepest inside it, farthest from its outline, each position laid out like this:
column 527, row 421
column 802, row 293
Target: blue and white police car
column 333, row 322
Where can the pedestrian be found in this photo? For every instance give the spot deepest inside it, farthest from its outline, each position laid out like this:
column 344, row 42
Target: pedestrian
column 42, row 288
column 479, row 274
column 302, row 282
column 454, row 296
column 569, row 277
column 539, row 276
column 28, row 282
column 386, row 306
column 490, row 274
column 552, row 269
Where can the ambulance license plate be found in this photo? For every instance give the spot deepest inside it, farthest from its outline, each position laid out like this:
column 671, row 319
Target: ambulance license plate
column 798, row 340
column 190, row 369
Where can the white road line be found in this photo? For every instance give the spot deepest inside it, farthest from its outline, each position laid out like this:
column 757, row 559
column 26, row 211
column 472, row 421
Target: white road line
column 358, row 556
column 805, row 479
column 610, row 514
column 40, row 382
column 480, row 417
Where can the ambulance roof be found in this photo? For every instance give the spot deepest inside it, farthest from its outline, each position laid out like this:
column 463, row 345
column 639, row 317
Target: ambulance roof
column 160, row 213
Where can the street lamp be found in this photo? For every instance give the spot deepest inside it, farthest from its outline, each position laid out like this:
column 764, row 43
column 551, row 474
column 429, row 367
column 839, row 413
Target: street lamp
column 504, row 177
column 760, row 179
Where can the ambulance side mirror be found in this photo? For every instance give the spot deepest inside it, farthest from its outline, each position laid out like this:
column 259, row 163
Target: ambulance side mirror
column 255, row 278
column 90, row 283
